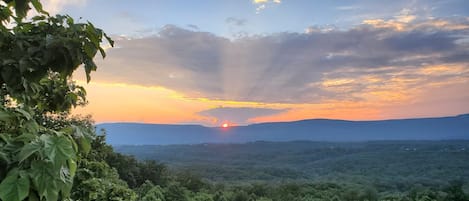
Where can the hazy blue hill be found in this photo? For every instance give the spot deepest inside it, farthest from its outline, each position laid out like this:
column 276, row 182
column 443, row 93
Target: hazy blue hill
column 442, row 128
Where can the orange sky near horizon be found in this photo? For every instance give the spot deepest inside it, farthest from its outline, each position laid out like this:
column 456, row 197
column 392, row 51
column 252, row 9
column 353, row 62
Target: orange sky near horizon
column 117, row 102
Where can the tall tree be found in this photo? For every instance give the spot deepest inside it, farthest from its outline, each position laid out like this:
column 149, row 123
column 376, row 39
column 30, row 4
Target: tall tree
column 38, row 155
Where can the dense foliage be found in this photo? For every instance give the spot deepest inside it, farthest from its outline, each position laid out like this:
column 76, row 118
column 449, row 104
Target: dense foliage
column 41, row 148
column 388, row 164
column 155, row 181
column 406, row 170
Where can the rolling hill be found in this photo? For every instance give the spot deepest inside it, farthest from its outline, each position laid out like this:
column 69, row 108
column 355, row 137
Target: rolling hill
column 441, row 128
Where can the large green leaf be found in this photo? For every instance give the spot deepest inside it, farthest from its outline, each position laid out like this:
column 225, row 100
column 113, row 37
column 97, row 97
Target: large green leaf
column 58, row 148
column 44, row 175
column 15, row 187
column 29, row 149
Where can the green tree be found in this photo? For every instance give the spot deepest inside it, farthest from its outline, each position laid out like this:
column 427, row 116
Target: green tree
column 154, row 194
column 455, row 192
column 241, row 195
column 219, row 196
column 190, row 181
column 38, row 153
column 201, row 196
column 175, row 192
column 143, row 189
column 95, row 179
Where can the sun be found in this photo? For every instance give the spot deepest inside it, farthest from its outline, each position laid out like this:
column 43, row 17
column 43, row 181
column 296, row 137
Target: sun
column 225, row 125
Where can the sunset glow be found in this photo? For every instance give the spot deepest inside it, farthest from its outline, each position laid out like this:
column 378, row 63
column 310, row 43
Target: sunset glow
column 249, row 65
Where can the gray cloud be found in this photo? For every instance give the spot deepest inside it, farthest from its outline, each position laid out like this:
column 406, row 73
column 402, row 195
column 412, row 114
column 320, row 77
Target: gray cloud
column 240, row 116
column 282, row 67
column 193, row 26
column 347, row 8
column 235, row 21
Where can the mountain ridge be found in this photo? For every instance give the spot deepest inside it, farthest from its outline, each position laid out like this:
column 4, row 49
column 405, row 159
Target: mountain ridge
column 431, row 128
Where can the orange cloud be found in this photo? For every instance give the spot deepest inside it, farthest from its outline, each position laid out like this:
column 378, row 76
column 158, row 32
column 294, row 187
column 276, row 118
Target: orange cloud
column 386, row 24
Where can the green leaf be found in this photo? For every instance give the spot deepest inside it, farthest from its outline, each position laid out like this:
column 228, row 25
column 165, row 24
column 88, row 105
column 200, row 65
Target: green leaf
column 25, row 137
column 65, row 189
column 65, row 175
column 92, row 34
column 31, row 126
column 58, row 148
column 24, row 113
column 37, row 18
column 90, row 49
column 5, row 137
column 21, row 8
column 109, row 40
column 38, row 6
column 52, row 194
column 4, row 157
column 72, row 166
column 74, row 144
column 44, row 176
column 4, row 116
column 33, row 197
column 78, row 133
column 15, row 187
column 85, row 145
column 29, row 149
column 103, row 53
column 89, row 66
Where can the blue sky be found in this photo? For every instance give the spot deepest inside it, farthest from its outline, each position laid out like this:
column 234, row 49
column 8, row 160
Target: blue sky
column 134, row 17
column 249, row 61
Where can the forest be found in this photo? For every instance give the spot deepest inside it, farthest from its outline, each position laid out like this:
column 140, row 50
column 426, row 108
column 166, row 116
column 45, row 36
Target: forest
column 390, row 164
column 375, row 170
column 47, row 154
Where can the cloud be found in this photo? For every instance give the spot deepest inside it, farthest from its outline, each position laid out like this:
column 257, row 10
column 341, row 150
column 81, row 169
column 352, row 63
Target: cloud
column 364, row 63
column 239, row 116
column 56, row 6
column 260, row 8
column 266, row 1
column 322, row 28
column 235, row 21
column 192, row 26
column 347, row 8
column 409, row 20
column 405, row 16
column 262, row 4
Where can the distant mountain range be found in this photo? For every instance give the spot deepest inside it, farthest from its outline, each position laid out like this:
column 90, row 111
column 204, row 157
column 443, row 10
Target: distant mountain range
column 441, row 128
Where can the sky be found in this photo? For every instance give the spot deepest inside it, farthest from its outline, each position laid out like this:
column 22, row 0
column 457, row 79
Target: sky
column 249, row 61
